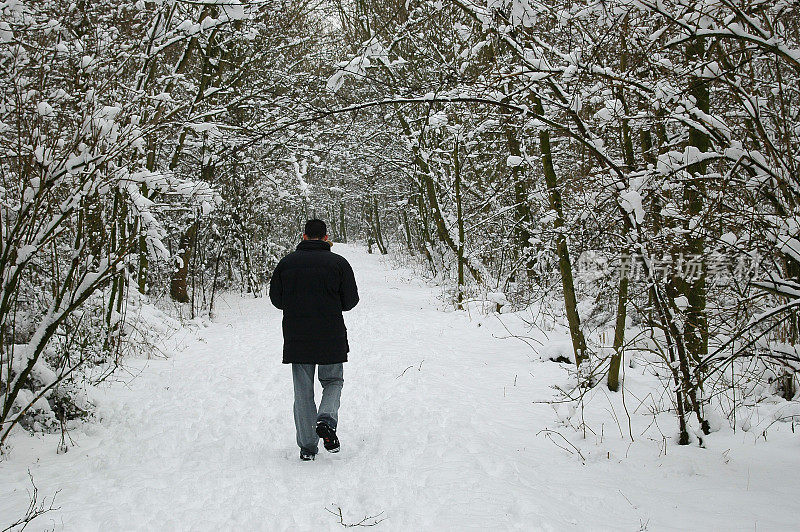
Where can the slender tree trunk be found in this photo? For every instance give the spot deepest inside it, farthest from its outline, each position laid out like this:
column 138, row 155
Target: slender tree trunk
column 378, row 231
column 407, row 229
column 696, row 328
column 460, row 221
column 144, row 255
column 691, row 344
column 562, row 250
column 342, row 224
column 522, row 234
column 425, row 232
column 619, row 333
column 115, row 224
column 622, row 292
column 332, row 229
column 178, row 286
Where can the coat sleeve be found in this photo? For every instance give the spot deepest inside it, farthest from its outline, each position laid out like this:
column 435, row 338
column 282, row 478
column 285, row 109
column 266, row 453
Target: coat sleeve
column 276, row 288
column 349, row 290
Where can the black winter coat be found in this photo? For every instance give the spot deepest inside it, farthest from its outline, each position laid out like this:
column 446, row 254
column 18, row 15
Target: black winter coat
column 313, row 286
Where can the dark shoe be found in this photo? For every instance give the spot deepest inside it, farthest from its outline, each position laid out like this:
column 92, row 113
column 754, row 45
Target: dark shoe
column 328, row 435
column 306, row 456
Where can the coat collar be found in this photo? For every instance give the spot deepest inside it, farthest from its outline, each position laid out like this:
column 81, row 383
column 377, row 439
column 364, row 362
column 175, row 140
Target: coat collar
column 313, row 245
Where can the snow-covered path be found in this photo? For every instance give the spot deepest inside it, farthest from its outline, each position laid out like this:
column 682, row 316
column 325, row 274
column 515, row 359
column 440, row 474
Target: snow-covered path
column 438, row 427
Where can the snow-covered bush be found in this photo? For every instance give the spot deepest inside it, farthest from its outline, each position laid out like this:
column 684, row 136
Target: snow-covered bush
column 75, row 221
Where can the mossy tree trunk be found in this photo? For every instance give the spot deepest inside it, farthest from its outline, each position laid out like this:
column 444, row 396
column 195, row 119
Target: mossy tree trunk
column 622, row 290
column 562, row 249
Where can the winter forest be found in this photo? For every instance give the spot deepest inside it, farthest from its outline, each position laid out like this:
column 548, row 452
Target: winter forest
column 575, row 225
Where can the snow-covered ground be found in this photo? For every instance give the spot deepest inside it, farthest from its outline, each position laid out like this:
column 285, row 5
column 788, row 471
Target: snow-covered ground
column 440, row 428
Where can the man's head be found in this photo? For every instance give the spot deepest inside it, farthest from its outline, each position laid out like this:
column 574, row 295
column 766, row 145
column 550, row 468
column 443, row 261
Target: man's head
column 315, row 230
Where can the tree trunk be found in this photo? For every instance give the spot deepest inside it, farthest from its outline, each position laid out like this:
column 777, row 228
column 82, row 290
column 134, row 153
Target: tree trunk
column 619, row 333
column 696, row 328
column 144, row 254
column 407, row 229
column 332, row 229
column 522, row 234
column 564, row 263
column 691, row 344
column 378, row 231
column 342, row 223
column 426, row 235
column 460, row 221
column 622, row 292
column 178, row 286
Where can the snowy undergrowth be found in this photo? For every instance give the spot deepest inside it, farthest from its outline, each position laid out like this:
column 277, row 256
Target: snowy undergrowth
column 643, row 411
column 592, row 423
column 449, row 421
column 92, row 347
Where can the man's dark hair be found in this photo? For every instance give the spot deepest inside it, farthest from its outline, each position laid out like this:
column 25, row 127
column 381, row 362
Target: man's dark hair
column 316, row 229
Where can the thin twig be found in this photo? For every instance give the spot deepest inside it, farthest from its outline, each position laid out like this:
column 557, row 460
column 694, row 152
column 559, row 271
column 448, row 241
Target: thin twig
column 549, row 433
column 35, row 508
column 363, row 522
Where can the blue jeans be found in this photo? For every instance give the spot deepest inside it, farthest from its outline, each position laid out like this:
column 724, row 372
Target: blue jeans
column 306, row 414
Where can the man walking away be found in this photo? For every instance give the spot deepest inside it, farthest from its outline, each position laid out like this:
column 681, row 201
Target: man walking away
column 313, row 286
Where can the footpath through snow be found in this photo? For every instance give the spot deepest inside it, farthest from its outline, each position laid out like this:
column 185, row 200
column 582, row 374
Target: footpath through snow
column 438, row 427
